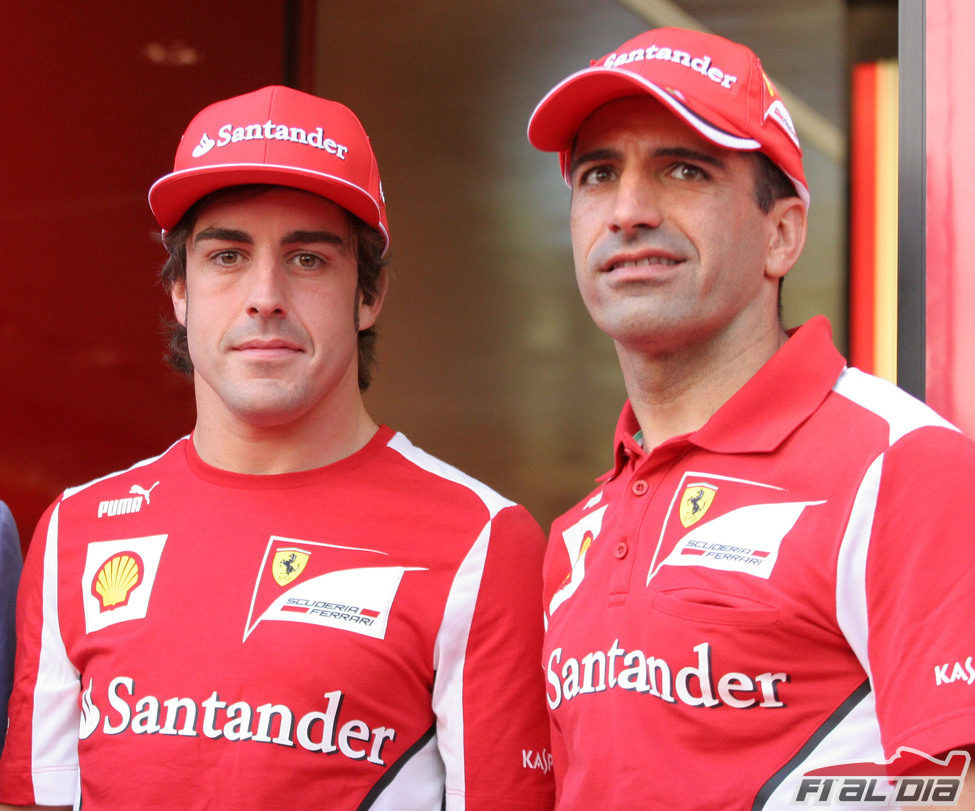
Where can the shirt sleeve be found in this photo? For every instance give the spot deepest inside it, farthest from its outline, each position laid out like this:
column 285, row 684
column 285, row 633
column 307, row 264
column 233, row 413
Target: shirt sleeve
column 920, row 589
column 492, row 725
column 10, row 566
column 40, row 759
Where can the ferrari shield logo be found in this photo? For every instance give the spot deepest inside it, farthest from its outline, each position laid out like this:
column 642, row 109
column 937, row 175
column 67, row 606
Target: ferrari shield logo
column 288, row 564
column 695, row 502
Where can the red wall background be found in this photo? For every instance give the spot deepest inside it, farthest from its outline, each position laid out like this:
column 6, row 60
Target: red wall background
column 950, row 65
column 95, row 97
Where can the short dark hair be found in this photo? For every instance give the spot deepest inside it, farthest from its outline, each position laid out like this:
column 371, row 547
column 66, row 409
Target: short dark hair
column 368, row 244
column 771, row 183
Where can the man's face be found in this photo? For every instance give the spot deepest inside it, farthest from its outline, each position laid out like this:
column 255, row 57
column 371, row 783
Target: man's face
column 270, row 305
column 670, row 245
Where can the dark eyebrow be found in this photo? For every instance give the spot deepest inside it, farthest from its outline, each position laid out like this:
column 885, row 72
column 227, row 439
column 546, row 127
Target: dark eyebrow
column 327, row 237
column 591, row 156
column 678, row 152
column 682, row 153
column 291, row 238
column 224, row 234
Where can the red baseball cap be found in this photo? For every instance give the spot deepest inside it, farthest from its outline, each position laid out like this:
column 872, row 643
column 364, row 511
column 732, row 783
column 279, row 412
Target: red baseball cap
column 280, row 136
column 717, row 86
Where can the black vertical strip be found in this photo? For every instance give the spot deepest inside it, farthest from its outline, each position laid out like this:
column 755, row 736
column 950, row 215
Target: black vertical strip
column 912, row 199
column 291, row 53
column 765, row 792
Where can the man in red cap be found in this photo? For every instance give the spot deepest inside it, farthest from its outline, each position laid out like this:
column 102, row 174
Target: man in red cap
column 293, row 606
column 773, row 578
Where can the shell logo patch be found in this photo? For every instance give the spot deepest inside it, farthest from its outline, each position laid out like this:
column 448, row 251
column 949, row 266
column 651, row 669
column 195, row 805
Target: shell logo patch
column 288, row 564
column 578, row 539
column 695, row 502
column 116, row 579
column 587, row 540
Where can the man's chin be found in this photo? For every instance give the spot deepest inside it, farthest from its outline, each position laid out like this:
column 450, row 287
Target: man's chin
column 264, row 403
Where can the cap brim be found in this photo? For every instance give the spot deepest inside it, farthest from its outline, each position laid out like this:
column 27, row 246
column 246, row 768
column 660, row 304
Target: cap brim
column 566, row 106
column 171, row 196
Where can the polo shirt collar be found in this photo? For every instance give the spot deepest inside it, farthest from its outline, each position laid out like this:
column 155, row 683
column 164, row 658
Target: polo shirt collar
column 790, row 386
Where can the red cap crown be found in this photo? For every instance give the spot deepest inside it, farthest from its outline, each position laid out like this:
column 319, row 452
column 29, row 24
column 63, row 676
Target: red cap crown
column 280, row 136
column 717, row 86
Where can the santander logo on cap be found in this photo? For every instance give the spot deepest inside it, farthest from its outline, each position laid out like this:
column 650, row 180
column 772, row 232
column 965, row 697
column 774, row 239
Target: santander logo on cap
column 699, row 64
column 269, row 131
column 717, row 86
column 276, row 136
column 205, row 145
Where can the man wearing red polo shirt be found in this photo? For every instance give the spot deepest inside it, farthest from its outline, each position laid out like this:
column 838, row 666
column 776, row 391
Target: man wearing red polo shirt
column 774, row 577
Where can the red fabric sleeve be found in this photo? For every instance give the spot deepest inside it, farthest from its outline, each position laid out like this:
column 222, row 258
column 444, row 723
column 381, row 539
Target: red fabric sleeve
column 921, row 593
column 47, row 680
column 506, row 734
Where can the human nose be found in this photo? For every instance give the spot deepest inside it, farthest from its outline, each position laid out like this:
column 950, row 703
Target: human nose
column 266, row 293
column 636, row 205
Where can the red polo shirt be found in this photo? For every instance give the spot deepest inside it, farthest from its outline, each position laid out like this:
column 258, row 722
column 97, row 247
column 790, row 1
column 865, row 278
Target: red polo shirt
column 787, row 588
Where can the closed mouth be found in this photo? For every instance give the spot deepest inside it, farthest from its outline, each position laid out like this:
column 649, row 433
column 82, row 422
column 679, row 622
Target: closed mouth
column 265, row 345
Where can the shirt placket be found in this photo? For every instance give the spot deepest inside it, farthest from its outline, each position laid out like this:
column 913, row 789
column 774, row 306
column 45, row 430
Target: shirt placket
column 640, row 481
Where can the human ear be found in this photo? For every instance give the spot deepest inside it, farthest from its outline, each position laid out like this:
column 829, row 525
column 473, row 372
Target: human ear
column 787, row 237
column 178, row 294
column 368, row 313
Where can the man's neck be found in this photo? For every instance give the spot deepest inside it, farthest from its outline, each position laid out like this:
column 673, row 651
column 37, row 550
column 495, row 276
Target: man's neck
column 238, row 446
column 677, row 393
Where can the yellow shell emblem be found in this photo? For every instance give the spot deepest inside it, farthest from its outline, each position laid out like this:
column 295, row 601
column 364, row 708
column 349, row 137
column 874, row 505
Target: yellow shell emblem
column 116, row 579
column 587, row 540
column 695, row 502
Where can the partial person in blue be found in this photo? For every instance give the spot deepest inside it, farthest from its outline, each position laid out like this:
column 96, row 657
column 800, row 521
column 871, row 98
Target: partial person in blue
column 10, row 563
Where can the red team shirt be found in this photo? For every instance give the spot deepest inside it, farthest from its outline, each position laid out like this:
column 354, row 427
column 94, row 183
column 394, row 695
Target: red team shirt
column 788, row 588
column 358, row 636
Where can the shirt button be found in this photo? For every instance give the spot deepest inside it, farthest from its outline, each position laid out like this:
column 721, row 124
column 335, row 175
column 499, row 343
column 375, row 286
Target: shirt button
column 639, row 487
column 621, row 550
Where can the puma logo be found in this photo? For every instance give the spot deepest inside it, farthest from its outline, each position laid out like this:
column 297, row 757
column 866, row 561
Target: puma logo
column 124, row 506
column 140, row 491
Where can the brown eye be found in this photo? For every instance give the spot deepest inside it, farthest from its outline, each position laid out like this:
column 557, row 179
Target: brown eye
column 307, row 261
column 596, row 175
column 687, row 171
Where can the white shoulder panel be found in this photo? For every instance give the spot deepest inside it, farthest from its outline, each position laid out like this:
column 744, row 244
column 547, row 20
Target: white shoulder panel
column 70, row 491
column 492, row 500
column 902, row 412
